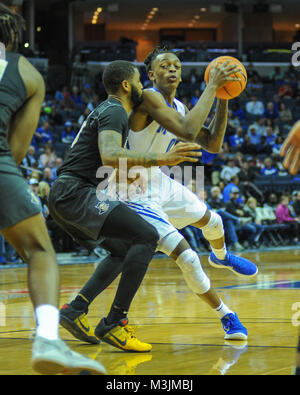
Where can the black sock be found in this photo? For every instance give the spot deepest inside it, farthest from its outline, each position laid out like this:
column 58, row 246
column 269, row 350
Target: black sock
column 115, row 315
column 80, row 304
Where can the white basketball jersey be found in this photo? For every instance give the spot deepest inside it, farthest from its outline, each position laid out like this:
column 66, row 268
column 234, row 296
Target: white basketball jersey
column 154, row 138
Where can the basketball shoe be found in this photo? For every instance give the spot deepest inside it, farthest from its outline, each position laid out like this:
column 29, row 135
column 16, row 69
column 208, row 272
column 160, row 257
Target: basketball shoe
column 234, row 330
column 54, row 356
column 76, row 322
column 120, row 335
column 240, row 266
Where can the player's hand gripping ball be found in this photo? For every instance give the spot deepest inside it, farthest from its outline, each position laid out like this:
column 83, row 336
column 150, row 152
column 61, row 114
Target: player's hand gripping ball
column 231, row 89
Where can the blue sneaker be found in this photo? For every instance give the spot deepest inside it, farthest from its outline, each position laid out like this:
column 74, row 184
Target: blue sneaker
column 233, row 327
column 2, row 260
column 240, row 266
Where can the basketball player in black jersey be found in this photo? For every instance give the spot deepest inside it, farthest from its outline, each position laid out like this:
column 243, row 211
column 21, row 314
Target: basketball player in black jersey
column 87, row 214
column 22, row 91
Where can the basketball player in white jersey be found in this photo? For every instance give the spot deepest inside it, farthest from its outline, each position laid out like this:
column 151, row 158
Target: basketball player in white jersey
column 156, row 125
column 167, row 204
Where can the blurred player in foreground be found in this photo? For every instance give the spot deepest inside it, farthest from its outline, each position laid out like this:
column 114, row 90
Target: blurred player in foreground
column 22, row 92
column 290, row 150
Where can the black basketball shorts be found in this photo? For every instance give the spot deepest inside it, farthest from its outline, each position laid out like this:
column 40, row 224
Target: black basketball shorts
column 74, row 205
column 17, row 201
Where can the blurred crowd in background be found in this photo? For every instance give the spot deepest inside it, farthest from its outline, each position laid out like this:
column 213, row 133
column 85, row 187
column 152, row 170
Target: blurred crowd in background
column 245, row 183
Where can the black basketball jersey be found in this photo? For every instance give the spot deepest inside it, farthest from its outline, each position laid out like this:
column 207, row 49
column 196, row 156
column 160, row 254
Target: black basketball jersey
column 83, row 157
column 13, row 94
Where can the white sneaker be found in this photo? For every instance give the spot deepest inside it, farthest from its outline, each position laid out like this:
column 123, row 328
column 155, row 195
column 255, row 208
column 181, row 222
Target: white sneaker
column 54, row 356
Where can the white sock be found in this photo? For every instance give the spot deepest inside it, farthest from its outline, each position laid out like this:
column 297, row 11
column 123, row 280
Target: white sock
column 222, row 310
column 220, row 253
column 47, row 319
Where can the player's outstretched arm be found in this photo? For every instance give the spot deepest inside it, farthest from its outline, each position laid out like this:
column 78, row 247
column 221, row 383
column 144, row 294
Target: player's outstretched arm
column 25, row 121
column 189, row 128
column 111, row 150
column 291, row 150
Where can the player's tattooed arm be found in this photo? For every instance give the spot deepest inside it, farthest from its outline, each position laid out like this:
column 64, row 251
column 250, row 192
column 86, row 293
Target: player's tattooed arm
column 111, row 150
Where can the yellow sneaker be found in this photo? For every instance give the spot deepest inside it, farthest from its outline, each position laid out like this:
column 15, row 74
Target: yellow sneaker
column 121, row 335
column 77, row 324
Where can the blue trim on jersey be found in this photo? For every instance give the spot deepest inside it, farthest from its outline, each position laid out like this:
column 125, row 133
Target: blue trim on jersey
column 144, row 211
column 169, row 105
column 152, row 216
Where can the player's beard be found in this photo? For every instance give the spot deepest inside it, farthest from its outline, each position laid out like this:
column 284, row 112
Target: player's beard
column 136, row 97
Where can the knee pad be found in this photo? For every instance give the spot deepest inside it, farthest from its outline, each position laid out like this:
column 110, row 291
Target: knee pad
column 194, row 275
column 168, row 244
column 214, row 228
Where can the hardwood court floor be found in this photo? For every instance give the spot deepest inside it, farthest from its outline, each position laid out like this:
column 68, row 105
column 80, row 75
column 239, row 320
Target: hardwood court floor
column 187, row 337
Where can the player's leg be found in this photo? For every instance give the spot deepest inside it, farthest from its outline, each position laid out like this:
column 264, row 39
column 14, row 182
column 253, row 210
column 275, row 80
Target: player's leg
column 49, row 355
column 115, row 221
column 188, row 261
column 213, row 230
column 184, row 208
column 123, row 224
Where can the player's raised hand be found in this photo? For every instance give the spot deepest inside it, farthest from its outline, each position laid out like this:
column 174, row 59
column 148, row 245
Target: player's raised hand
column 183, row 152
column 291, row 150
column 220, row 74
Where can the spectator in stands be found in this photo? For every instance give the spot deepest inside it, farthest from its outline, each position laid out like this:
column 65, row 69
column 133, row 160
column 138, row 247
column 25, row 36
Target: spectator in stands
column 283, row 217
column 259, row 126
column 7, row 252
column 237, row 139
column 83, row 116
column 251, row 72
column 263, row 148
column 55, row 118
column 270, row 111
column 43, row 191
column 68, row 134
column 270, row 136
column 255, row 84
column 29, row 160
column 230, row 170
column 254, row 136
column 269, row 169
column 76, row 96
column 43, row 134
column 233, row 121
column 250, row 210
column 34, row 185
column 47, row 176
column 193, row 77
column 87, row 94
column 48, row 158
column 216, row 203
column 59, row 93
column 272, row 202
column 234, row 207
column 277, row 74
column 94, row 102
column 255, row 107
column 247, row 181
column 67, row 104
column 238, row 111
column 234, row 182
column 285, row 114
column 285, row 90
column 248, row 148
column 195, row 97
column 277, row 145
column 54, row 169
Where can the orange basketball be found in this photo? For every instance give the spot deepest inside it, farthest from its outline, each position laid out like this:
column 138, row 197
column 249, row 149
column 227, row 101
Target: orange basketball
column 233, row 88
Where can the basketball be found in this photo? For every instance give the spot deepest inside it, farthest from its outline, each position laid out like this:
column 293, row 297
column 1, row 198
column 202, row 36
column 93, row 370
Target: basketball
column 233, row 88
